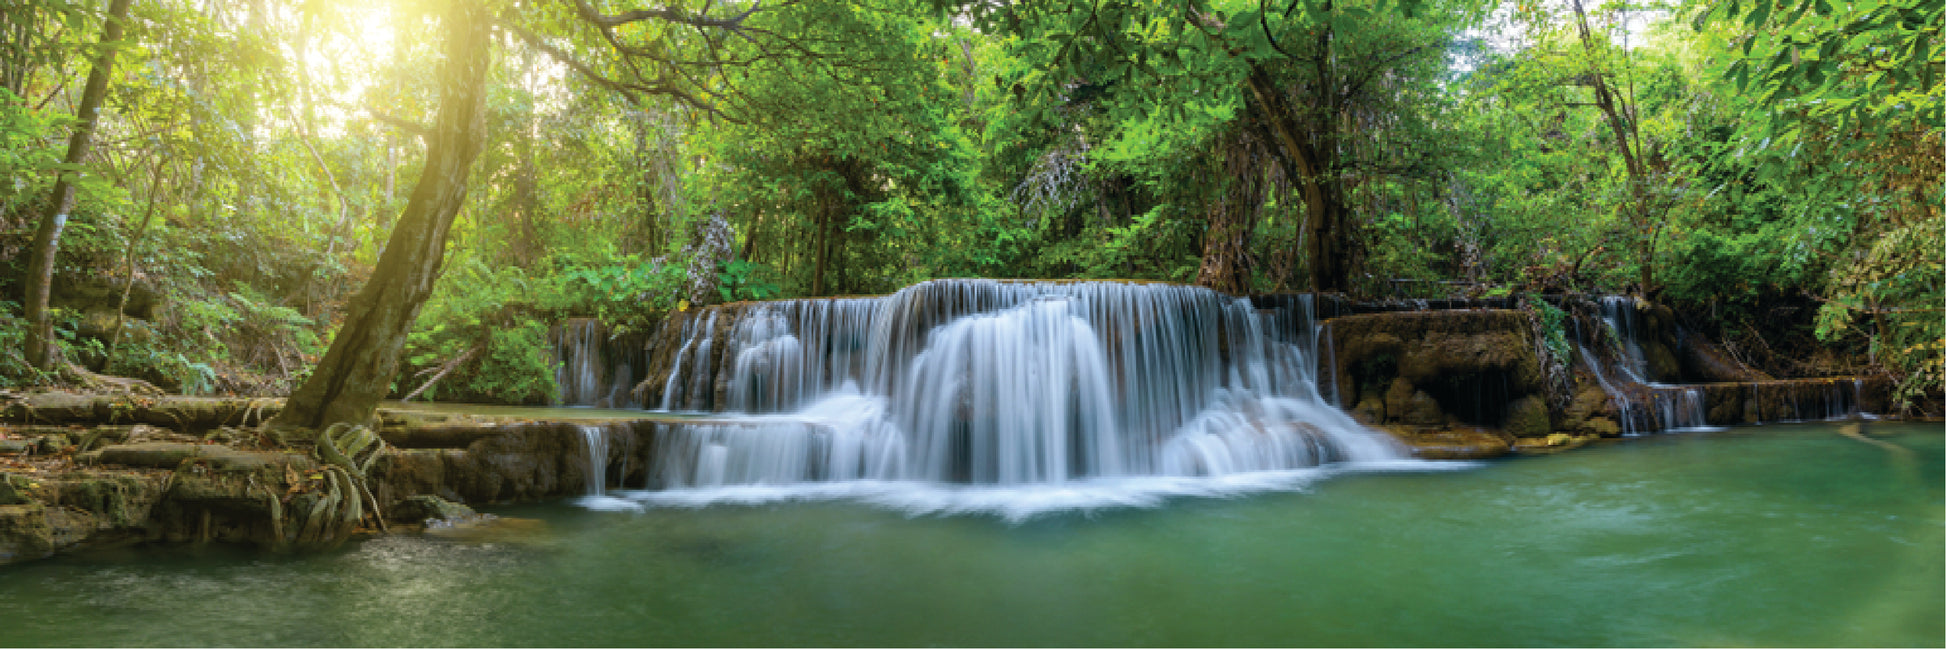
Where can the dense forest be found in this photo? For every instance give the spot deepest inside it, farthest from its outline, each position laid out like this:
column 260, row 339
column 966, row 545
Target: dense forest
column 248, row 196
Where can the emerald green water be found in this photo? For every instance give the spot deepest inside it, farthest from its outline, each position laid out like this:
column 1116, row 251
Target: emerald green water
column 1777, row 535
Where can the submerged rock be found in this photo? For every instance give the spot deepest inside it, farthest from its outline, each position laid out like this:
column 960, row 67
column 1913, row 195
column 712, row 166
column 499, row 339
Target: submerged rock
column 429, row 509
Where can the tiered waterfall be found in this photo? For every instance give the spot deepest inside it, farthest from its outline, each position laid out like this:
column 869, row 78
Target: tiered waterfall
column 997, row 384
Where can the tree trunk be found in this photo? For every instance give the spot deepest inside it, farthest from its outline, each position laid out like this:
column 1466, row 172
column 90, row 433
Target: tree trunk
column 1622, row 127
column 363, row 359
column 47, row 239
column 1312, row 170
column 823, row 244
column 1227, row 264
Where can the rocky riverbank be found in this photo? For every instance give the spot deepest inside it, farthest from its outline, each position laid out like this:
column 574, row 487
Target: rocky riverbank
column 81, row 471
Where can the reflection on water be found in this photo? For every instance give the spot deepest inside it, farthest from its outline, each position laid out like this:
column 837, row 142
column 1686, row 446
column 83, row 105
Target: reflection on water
column 1781, row 535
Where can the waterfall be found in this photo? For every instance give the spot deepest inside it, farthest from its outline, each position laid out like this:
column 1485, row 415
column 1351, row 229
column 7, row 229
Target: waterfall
column 595, row 440
column 1679, row 408
column 697, row 335
column 1658, row 407
column 1645, row 406
column 959, row 388
column 1623, row 412
column 1618, row 312
column 590, row 368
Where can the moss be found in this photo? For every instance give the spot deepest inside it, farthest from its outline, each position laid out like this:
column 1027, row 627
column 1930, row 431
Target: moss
column 17, row 489
column 24, row 533
column 1528, row 418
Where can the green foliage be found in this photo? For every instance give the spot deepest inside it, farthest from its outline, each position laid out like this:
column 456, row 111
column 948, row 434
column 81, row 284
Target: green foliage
column 1790, row 148
column 739, row 280
column 1553, row 327
column 14, row 370
column 515, row 367
column 1893, row 296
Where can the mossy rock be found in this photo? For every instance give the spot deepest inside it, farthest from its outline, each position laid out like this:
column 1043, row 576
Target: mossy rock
column 16, row 489
column 1527, row 417
column 427, row 508
column 1553, row 443
column 1463, row 443
column 25, row 534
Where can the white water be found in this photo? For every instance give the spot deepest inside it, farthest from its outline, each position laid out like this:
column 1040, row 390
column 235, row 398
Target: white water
column 1682, row 408
column 586, row 375
column 1666, row 408
column 1013, row 398
column 595, row 440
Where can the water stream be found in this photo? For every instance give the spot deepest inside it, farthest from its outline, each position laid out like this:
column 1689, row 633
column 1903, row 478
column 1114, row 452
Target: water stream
column 1817, row 534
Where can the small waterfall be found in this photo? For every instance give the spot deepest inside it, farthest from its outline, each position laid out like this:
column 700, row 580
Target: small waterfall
column 1658, row 407
column 1624, row 411
column 595, row 439
column 1679, row 408
column 1649, row 407
column 1005, row 385
column 592, row 367
column 1808, row 400
column 698, row 335
column 1619, row 313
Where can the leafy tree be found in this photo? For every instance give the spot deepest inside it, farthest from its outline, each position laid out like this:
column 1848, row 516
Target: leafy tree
column 54, row 218
column 1323, row 89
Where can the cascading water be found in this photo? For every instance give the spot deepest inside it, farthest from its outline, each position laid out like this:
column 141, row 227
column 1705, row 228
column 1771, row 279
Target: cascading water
column 697, row 336
column 595, row 441
column 1014, row 397
column 1618, row 312
column 590, row 369
column 1661, row 407
column 1646, row 406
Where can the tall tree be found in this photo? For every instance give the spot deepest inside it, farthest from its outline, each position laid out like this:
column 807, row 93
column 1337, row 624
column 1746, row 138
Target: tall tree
column 1305, row 79
column 670, row 52
column 47, row 238
column 357, row 370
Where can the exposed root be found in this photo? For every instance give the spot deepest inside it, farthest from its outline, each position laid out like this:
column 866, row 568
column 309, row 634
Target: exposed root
column 104, row 383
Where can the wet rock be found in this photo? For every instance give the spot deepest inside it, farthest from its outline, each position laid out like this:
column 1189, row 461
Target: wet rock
column 1370, row 409
column 1457, row 443
column 1553, row 443
column 1422, row 410
column 17, row 489
column 25, row 533
column 427, row 508
column 511, row 463
column 46, row 514
column 1528, row 418
column 1396, row 397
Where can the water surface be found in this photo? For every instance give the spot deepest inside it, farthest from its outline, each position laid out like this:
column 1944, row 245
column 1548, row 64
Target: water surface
column 1775, row 535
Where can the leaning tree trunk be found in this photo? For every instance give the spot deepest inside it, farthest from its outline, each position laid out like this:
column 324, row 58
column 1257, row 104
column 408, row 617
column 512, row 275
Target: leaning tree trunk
column 47, row 239
column 363, row 359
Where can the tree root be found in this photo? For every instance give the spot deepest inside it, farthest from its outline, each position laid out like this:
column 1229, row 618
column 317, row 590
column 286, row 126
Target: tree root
column 93, row 382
